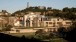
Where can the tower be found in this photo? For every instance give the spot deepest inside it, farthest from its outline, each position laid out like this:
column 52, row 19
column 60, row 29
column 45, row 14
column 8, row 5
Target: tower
column 27, row 4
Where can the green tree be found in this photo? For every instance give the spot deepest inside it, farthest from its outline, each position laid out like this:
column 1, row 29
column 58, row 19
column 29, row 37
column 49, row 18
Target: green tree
column 66, row 9
column 62, row 32
column 49, row 8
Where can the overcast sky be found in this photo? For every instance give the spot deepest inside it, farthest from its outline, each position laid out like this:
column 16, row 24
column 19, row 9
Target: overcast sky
column 14, row 5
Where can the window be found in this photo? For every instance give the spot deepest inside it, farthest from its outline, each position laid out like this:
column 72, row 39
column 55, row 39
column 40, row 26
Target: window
column 17, row 30
column 57, row 19
column 68, row 22
column 50, row 22
column 46, row 22
column 41, row 19
column 58, row 22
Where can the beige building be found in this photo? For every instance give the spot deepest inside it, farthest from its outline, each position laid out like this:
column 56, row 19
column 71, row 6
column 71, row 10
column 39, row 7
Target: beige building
column 35, row 20
column 18, row 21
column 13, row 21
column 4, row 13
column 55, row 23
column 3, row 22
column 32, row 20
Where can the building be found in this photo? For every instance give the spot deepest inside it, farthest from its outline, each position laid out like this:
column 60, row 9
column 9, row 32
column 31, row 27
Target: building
column 41, row 7
column 55, row 23
column 3, row 22
column 18, row 21
column 11, row 20
column 4, row 13
column 52, row 23
column 32, row 20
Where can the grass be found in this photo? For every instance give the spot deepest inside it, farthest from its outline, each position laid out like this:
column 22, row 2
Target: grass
column 58, row 40
column 30, row 35
column 21, row 34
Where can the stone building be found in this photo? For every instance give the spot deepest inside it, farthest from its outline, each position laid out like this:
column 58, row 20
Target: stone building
column 55, row 23
column 32, row 20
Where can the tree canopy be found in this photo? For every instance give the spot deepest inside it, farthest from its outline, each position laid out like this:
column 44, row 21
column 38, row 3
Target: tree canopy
column 69, row 13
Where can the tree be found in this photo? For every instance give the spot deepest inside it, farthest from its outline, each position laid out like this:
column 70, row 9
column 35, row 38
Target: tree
column 73, row 9
column 62, row 32
column 49, row 8
column 15, row 13
column 4, row 11
column 8, row 27
column 70, row 16
column 71, row 34
column 66, row 9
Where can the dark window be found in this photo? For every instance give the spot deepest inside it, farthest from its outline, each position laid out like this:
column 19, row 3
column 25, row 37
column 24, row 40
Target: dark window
column 58, row 22
column 41, row 19
column 50, row 22
column 46, row 22
column 57, row 19
column 68, row 22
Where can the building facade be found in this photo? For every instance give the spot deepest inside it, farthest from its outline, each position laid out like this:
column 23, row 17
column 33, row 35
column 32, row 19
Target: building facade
column 35, row 20
column 32, row 20
column 55, row 23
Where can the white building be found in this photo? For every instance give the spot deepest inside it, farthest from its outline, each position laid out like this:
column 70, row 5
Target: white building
column 41, row 7
column 32, row 20
column 18, row 21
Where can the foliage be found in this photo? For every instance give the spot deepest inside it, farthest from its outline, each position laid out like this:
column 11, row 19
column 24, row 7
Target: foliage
column 62, row 32
column 67, row 13
column 8, row 27
column 58, row 40
column 40, row 34
column 70, row 35
column 66, row 9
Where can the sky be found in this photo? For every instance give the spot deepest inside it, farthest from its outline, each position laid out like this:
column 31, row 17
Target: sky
column 13, row 5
